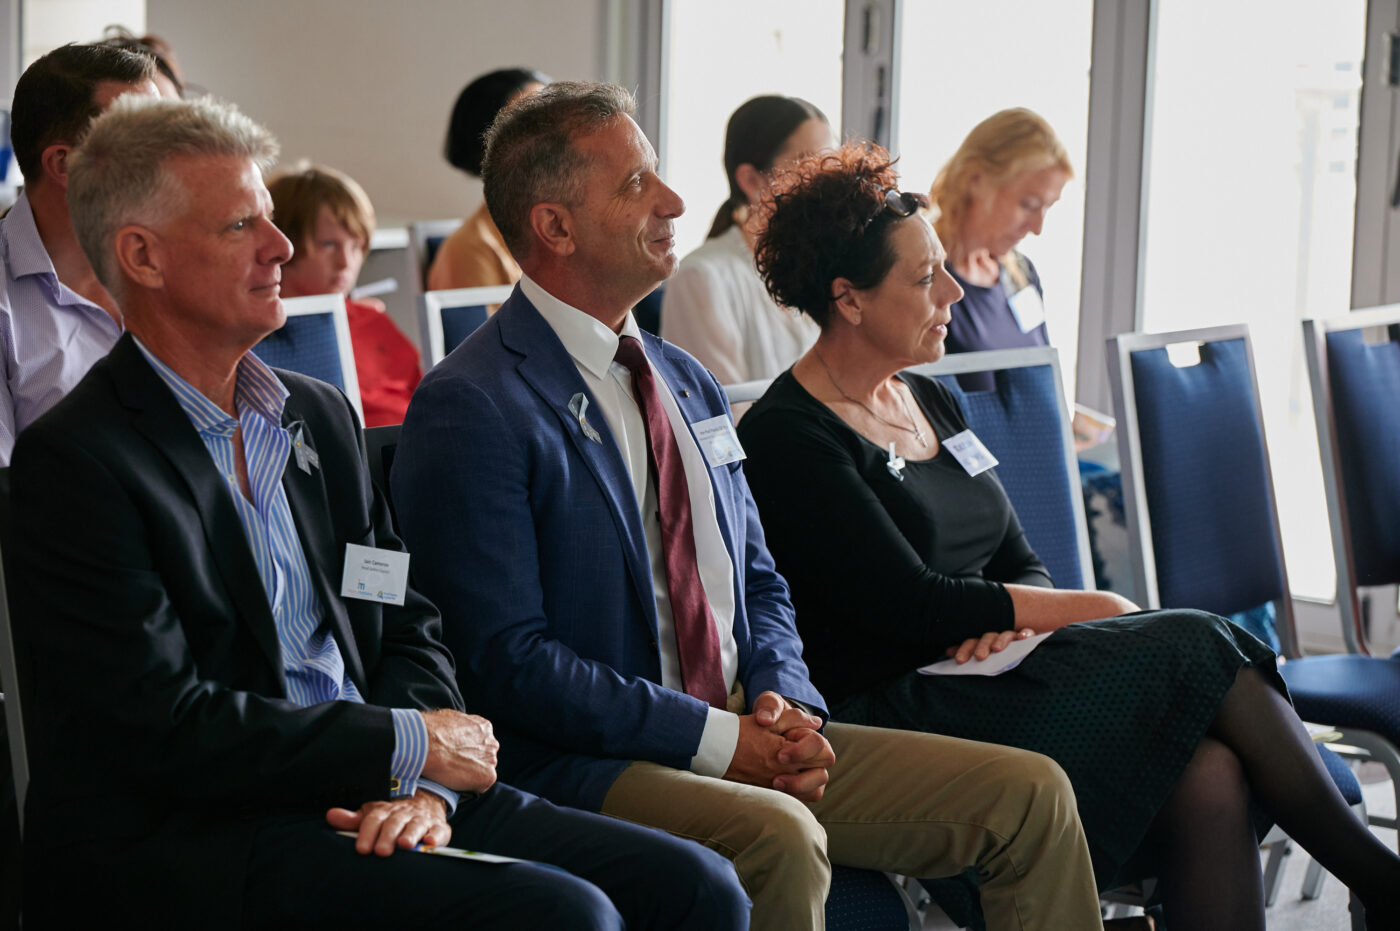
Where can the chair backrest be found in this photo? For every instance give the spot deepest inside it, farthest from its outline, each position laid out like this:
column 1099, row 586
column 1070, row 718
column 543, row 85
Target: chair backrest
column 1197, row 489
column 1025, row 423
column 445, row 318
column 648, row 311
column 424, row 239
column 315, row 341
column 1355, row 387
column 11, row 663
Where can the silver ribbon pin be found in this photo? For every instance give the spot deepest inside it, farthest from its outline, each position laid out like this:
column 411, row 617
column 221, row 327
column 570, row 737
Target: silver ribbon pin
column 577, row 405
column 895, row 464
column 307, row 459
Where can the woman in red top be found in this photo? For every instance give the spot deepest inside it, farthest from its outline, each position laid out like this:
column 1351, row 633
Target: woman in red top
column 329, row 220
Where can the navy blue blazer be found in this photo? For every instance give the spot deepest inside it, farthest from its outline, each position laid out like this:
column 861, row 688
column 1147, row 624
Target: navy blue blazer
column 527, row 535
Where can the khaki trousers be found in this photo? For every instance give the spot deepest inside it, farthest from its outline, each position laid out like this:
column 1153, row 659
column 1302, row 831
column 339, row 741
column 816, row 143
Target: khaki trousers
column 901, row 802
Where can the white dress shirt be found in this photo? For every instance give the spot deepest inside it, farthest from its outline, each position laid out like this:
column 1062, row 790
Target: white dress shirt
column 592, row 346
column 717, row 309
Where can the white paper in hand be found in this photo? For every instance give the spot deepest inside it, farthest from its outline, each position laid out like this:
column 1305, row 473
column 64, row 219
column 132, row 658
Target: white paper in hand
column 994, row 665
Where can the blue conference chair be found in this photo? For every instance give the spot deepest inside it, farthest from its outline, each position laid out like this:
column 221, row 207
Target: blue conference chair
column 860, row 900
column 445, row 318
column 1024, row 422
column 1202, row 512
column 315, row 341
column 1355, row 383
column 425, row 237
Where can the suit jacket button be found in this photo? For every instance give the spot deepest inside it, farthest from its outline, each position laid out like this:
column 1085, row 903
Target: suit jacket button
column 685, row 392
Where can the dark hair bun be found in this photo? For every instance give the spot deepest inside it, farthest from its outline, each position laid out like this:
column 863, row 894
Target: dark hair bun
column 825, row 221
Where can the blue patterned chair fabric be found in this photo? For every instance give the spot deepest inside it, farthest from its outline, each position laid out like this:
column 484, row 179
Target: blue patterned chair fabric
column 305, row 344
column 1020, row 423
column 864, row 900
column 1203, row 457
column 458, row 323
column 1364, row 382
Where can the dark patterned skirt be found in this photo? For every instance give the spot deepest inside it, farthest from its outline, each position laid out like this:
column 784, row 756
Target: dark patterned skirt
column 1120, row 704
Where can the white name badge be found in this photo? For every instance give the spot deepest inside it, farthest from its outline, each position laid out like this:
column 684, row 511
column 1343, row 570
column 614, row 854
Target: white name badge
column 1028, row 308
column 718, row 441
column 970, row 453
column 374, row 574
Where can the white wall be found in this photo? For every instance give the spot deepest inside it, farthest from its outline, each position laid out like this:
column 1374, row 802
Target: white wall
column 367, row 86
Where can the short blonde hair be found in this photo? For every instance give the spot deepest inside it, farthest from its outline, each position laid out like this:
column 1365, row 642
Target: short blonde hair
column 298, row 195
column 120, row 175
column 1003, row 145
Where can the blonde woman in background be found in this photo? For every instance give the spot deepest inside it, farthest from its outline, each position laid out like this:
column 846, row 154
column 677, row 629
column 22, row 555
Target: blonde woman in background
column 993, row 192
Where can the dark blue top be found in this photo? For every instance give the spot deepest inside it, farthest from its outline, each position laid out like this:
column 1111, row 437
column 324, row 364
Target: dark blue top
column 983, row 320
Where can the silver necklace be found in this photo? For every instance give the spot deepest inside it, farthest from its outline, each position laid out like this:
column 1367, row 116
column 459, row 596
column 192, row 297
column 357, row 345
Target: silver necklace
column 914, row 427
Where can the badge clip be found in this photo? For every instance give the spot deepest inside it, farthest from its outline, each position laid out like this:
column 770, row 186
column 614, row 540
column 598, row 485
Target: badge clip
column 895, row 464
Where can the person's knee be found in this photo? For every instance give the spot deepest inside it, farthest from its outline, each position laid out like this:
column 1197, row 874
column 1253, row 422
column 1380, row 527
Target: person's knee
column 1213, row 786
column 1044, row 788
column 559, row 900
column 701, row 889
column 789, row 828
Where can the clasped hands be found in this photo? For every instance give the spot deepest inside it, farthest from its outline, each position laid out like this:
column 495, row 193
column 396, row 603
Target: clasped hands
column 780, row 747
column 461, row 756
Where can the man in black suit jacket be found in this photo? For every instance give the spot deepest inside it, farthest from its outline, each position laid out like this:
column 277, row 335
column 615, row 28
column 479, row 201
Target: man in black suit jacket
column 207, row 706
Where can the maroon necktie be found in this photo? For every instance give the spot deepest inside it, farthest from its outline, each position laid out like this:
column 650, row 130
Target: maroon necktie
column 696, row 637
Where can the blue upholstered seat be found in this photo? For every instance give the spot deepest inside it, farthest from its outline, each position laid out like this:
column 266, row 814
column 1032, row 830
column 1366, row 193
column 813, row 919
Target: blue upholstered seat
column 864, row 900
column 1021, row 422
column 445, row 318
column 459, row 322
column 1349, row 690
column 305, row 344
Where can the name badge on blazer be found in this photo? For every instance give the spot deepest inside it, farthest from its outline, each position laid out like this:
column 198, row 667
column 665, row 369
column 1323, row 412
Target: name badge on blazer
column 372, row 574
column 718, row 440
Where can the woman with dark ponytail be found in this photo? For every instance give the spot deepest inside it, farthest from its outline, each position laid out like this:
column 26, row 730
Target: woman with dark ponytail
column 716, row 307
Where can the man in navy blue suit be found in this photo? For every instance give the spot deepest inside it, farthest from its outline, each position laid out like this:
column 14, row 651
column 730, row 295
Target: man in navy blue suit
column 572, row 492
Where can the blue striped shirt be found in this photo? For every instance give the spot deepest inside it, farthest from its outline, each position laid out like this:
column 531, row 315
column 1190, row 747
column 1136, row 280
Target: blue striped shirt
column 311, row 659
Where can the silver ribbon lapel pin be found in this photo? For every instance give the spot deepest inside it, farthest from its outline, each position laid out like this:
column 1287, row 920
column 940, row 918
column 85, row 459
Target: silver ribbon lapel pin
column 306, row 457
column 578, row 404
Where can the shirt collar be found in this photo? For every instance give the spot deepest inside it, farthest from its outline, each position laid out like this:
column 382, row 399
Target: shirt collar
column 25, row 250
column 588, row 340
column 256, row 389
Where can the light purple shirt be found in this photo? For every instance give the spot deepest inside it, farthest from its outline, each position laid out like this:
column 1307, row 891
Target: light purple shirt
column 49, row 335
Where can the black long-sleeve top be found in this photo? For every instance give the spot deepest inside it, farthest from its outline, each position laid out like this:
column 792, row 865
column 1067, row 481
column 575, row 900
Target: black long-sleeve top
column 885, row 573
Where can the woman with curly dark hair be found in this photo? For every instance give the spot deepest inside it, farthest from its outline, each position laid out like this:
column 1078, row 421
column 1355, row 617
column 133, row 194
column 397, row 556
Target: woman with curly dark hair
column 900, row 549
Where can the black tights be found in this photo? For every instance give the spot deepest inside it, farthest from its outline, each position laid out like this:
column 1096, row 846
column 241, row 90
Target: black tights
column 1202, row 846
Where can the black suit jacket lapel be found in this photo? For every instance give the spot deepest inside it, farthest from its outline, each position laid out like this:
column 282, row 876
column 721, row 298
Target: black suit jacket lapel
column 311, row 510
column 158, row 416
